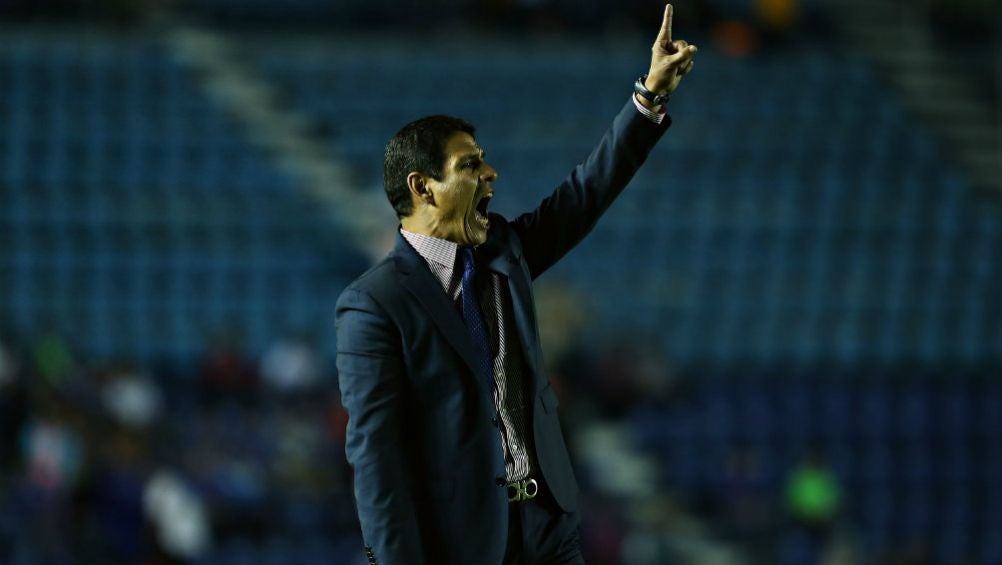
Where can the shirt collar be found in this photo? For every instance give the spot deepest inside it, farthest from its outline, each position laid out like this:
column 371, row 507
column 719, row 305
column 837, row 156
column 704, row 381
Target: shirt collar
column 441, row 251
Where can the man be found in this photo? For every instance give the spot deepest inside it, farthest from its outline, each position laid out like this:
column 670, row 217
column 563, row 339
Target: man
column 453, row 432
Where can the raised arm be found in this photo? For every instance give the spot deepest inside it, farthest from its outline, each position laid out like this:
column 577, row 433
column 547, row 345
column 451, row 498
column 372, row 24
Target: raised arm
column 571, row 211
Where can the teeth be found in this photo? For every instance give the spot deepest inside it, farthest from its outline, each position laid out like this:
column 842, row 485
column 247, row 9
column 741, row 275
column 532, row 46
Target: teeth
column 482, row 203
column 481, row 218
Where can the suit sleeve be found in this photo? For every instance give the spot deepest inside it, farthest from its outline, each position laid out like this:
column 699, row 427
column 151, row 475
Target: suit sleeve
column 371, row 376
column 566, row 216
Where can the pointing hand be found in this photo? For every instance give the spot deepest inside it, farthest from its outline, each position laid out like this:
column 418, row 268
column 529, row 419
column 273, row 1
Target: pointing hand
column 670, row 60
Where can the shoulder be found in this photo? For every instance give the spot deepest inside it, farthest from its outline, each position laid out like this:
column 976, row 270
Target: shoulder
column 503, row 235
column 370, row 286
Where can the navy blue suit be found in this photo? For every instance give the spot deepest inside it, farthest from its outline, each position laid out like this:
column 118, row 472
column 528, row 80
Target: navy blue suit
column 425, row 454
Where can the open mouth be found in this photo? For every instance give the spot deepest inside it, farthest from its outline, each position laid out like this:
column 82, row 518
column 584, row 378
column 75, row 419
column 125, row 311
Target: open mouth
column 480, row 211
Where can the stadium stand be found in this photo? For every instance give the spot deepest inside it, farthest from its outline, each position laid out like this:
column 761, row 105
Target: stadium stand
column 811, row 221
column 140, row 218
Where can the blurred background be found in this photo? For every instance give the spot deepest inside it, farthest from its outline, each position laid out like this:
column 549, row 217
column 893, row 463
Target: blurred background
column 782, row 345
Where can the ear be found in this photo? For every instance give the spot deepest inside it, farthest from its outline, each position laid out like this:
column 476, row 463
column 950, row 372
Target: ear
column 418, row 186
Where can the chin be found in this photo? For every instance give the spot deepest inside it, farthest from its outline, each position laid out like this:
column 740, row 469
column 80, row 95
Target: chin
column 476, row 236
column 476, row 239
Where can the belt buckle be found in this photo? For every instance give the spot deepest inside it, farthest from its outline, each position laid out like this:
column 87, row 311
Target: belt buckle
column 526, row 489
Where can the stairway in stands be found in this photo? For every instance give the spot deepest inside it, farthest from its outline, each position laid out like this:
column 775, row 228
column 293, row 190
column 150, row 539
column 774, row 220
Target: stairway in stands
column 895, row 35
column 283, row 133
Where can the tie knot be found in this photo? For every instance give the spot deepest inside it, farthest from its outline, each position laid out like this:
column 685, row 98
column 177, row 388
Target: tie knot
column 469, row 266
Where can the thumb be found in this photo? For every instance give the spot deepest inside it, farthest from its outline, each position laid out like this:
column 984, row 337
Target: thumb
column 683, row 53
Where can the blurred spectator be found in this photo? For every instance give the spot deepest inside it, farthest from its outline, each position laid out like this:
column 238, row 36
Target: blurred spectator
column 561, row 318
column 337, row 423
column 131, row 398
column 776, row 18
column 813, row 499
column 53, row 450
column 13, row 406
column 298, row 440
column 812, row 493
column 228, row 451
column 603, row 530
column 227, row 374
column 628, row 374
column 772, row 22
column 9, row 365
column 736, row 38
column 53, row 359
column 122, row 415
column 43, row 497
column 291, row 365
column 179, row 519
column 116, row 491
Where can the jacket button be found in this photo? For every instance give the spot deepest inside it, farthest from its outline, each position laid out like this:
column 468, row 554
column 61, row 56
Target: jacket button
column 499, row 481
column 494, row 421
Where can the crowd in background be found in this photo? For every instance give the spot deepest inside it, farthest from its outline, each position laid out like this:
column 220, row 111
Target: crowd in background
column 122, row 462
column 125, row 463
column 118, row 462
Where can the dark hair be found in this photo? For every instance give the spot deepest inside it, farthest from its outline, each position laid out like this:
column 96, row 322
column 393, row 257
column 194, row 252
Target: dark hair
column 418, row 147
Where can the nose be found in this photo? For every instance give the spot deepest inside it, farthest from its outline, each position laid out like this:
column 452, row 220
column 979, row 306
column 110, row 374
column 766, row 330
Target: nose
column 489, row 173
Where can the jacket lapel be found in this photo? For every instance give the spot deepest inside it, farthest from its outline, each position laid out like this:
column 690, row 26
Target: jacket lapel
column 505, row 261
column 419, row 281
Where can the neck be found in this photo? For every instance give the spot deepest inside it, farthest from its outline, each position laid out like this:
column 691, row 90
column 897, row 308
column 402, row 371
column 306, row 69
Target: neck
column 414, row 224
column 421, row 224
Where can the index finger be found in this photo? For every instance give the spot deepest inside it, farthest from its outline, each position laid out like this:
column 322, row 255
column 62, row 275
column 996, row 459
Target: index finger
column 664, row 36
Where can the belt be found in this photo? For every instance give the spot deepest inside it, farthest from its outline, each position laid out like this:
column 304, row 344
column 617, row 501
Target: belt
column 520, row 491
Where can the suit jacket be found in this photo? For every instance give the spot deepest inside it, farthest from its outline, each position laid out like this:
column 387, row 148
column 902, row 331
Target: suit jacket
column 425, row 454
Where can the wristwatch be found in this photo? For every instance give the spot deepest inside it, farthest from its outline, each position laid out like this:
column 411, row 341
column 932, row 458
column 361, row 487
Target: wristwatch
column 656, row 99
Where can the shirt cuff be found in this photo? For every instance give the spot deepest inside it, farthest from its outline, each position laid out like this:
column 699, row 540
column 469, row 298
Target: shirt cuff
column 655, row 117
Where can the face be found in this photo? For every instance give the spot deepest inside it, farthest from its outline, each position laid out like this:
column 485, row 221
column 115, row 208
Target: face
column 461, row 198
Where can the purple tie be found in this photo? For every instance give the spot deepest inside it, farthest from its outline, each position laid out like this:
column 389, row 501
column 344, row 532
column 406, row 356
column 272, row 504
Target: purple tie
column 472, row 315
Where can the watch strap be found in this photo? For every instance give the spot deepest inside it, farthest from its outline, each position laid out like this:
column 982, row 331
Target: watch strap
column 653, row 98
